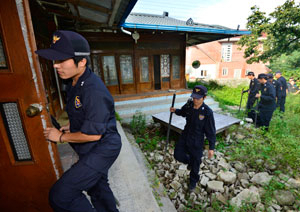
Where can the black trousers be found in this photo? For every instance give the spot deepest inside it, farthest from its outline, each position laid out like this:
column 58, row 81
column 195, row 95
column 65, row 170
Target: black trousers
column 189, row 155
column 264, row 118
column 66, row 194
column 281, row 103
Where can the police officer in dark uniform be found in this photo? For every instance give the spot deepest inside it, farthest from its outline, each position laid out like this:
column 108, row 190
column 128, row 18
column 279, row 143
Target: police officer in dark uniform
column 252, row 91
column 283, row 90
column 275, row 84
column 199, row 123
column 92, row 130
column 267, row 104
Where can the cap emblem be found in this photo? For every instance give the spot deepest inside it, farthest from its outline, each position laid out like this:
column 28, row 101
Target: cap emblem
column 55, row 38
column 197, row 89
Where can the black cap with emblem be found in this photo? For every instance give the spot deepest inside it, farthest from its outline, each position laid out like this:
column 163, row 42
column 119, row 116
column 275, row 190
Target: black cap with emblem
column 65, row 45
column 199, row 91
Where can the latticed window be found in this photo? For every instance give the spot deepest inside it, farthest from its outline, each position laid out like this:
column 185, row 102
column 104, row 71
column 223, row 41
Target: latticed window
column 144, row 64
column 226, row 52
column 109, row 70
column 126, row 69
column 165, row 65
column 176, row 67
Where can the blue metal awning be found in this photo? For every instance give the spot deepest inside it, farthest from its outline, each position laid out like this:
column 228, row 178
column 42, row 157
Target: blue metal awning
column 185, row 29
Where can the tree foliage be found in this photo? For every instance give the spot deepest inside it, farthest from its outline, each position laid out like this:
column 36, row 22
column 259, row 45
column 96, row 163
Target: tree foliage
column 282, row 28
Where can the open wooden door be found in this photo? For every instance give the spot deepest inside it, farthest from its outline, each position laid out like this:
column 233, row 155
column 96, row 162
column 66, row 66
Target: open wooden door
column 28, row 163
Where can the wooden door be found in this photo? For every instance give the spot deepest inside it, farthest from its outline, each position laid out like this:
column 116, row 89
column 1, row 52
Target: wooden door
column 126, row 74
column 28, row 163
column 145, row 74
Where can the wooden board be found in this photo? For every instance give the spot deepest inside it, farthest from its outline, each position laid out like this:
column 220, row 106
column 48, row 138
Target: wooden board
column 178, row 122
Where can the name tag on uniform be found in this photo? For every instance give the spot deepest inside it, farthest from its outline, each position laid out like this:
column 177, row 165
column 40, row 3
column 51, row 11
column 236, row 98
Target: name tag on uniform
column 201, row 117
column 77, row 102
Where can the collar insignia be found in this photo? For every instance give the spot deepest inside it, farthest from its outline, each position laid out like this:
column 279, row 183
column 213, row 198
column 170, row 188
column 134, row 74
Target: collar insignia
column 55, row 38
column 77, row 102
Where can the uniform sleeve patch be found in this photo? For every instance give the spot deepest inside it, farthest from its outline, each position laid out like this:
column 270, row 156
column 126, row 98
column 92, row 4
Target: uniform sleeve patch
column 77, row 102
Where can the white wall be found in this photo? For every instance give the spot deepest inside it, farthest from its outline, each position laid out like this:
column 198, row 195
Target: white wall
column 211, row 70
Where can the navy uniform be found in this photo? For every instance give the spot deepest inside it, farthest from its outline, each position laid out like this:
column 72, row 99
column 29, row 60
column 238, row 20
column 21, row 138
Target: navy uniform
column 253, row 90
column 267, row 104
column 275, row 84
column 90, row 109
column 282, row 96
column 199, row 123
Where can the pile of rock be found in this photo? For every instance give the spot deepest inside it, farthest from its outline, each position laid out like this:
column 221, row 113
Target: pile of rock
column 228, row 182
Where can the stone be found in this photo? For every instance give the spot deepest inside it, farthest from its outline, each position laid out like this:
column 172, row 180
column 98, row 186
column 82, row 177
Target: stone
column 180, row 173
column 276, row 207
column 283, row 177
column 215, row 186
column 262, row 178
column 249, row 120
column 270, row 166
column 183, row 167
column 175, row 185
column 245, row 183
column 244, row 176
column 259, row 207
column 204, row 180
column 293, row 183
column 223, row 164
column 284, row 197
column 247, row 195
column 221, row 198
column 227, row 177
column 271, row 209
column 251, row 174
column 240, row 136
column 158, row 157
column 181, row 208
column 259, row 162
column 240, row 167
column 211, row 176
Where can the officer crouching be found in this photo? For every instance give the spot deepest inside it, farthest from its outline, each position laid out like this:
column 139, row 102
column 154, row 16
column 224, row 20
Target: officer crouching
column 267, row 104
column 199, row 123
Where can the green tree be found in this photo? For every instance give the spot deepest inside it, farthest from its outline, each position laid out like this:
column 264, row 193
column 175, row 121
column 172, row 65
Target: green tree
column 282, row 28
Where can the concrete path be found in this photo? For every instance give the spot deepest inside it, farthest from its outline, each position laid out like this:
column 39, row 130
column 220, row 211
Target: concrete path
column 127, row 177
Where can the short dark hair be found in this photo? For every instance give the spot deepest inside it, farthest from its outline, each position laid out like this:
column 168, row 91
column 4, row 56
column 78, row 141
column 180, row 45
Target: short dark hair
column 77, row 59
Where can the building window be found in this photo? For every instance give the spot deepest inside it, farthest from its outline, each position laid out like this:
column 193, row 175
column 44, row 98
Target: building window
column 3, row 64
column 176, row 67
column 226, row 52
column 96, row 66
column 126, row 69
column 144, row 67
column 109, row 70
column 224, row 71
column 165, row 65
column 203, row 73
column 237, row 73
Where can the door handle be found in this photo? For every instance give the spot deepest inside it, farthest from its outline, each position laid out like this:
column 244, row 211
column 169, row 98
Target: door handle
column 34, row 109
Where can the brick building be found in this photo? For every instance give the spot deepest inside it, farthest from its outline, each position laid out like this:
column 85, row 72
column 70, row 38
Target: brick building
column 220, row 60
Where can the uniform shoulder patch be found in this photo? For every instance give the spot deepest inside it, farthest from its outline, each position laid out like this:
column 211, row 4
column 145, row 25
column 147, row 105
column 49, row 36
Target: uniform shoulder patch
column 77, row 102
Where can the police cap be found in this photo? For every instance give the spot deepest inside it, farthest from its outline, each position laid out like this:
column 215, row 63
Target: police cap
column 65, row 45
column 270, row 76
column 262, row 76
column 250, row 73
column 199, row 91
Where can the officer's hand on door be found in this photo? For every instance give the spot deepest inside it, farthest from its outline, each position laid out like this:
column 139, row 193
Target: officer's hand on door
column 210, row 154
column 52, row 134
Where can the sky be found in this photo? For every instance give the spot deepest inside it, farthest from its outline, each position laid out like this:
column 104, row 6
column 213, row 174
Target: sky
column 228, row 13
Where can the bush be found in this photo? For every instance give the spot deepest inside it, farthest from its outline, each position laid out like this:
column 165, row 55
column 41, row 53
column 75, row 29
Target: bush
column 138, row 124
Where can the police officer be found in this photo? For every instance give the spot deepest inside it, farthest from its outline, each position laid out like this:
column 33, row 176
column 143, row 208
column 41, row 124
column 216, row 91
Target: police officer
column 275, row 84
column 91, row 131
column 252, row 91
column 267, row 104
column 199, row 123
column 283, row 90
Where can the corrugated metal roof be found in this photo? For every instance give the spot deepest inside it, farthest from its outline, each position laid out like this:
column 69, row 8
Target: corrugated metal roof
column 151, row 19
column 197, row 32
